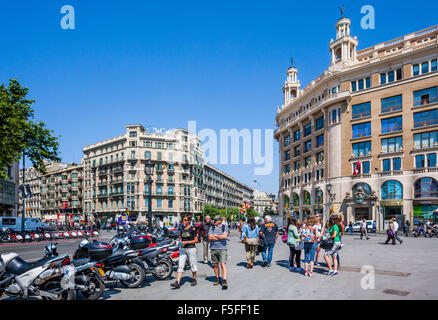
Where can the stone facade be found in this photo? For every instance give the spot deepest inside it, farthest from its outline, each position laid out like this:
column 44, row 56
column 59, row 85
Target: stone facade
column 366, row 112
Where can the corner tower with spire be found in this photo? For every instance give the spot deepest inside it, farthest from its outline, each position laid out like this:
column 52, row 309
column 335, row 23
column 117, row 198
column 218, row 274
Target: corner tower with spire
column 291, row 87
column 343, row 49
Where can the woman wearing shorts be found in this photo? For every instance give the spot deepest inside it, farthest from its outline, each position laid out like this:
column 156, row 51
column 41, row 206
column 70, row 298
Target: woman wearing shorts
column 189, row 239
column 334, row 231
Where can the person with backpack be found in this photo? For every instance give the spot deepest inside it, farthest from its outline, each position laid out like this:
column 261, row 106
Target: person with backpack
column 189, row 239
column 217, row 235
column 292, row 236
column 335, row 228
column 269, row 231
column 250, row 235
column 308, row 236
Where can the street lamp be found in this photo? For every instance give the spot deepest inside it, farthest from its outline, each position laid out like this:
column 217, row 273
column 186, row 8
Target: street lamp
column 149, row 168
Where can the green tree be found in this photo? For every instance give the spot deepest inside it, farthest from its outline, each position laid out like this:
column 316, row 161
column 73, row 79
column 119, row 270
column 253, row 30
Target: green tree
column 20, row 134
column 268, row 211
column 252, row 213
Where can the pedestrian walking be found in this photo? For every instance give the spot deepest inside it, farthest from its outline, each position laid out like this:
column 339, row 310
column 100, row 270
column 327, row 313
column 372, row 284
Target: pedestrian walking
column 319, row 233
column 363, row 229
column 292, row 236
column 205, row 227
column 308, row 236
column 217, row 236
column 390, row 232
column 407, row 228
column 334, row 227
column 396, row 228
column 250, row 234
column 269, row 231
column 187, row 251
column 350, row 227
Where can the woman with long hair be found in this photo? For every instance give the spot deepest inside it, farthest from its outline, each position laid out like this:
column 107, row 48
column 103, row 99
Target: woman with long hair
column 292, row 236
column 308, row 236
column 319, row 233
column 334, row 227
column 250, row 233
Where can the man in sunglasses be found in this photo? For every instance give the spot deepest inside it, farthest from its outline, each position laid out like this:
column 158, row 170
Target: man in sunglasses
column 218, row 234
column 189, row 239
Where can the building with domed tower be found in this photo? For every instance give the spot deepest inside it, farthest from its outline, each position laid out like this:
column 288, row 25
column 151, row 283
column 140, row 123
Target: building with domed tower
column 362, row 138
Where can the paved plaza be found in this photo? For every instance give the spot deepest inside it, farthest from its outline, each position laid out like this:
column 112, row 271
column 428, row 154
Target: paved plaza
column 406, row 271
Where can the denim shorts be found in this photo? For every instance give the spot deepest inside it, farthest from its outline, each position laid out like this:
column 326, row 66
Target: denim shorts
column 309, row 251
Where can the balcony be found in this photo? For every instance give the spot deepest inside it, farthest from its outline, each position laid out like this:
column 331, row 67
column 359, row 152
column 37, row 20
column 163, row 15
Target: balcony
column 361, row 176
column 118, row 169
column 391, row 173
column 102, row 173
column 103, row 195
column 425, row 170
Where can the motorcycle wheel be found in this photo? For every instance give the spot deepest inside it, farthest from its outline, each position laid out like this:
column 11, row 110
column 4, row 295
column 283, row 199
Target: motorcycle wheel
column 137, row 274
column 97, row 288
column 166, row 272
column 54, row 285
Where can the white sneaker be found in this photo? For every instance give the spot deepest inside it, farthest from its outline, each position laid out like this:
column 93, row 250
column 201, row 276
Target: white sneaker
column 330, row 272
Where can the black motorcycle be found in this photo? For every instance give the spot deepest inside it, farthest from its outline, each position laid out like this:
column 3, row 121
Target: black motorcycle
column 114, row 264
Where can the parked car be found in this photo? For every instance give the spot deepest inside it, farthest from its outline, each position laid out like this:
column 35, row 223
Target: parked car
column 356, row 226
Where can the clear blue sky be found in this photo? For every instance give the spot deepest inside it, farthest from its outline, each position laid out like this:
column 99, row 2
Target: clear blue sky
column 162, row 63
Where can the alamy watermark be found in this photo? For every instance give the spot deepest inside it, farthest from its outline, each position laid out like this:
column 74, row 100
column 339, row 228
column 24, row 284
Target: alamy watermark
column 368, row 21
column 68, row 20
column 368, row 279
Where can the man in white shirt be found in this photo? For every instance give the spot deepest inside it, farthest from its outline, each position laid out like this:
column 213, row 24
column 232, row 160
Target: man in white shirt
column 363, row 229
column 396, row 227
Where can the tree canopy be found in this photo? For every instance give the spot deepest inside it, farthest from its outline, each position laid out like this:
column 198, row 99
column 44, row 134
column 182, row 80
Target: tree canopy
column 20, row 133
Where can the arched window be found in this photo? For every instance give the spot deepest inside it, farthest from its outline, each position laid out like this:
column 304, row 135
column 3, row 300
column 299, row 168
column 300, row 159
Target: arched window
column 286, row 202
column 296, row 199
column 426, row 188
column 392, row 189
column 366, row 187
column 306, row 198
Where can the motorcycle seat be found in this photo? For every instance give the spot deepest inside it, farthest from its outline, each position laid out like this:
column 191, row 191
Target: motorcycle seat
column 79, row 262
column 164, row 242
column 18, row 266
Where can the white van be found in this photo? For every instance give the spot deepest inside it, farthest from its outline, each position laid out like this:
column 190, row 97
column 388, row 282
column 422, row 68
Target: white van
column 14, row 223
column 356, row 226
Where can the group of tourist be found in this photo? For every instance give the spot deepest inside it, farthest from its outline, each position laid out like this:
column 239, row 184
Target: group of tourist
column 214, row 236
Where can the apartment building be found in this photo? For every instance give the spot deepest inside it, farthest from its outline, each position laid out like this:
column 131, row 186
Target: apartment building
column 224, row 191
column 61, row 192
column 32, row 201
column 9, row 192
column 263, row 200
column 361, row 139
column 115, row 177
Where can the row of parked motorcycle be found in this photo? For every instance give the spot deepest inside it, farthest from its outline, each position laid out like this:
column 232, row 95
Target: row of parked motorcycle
column 125, row 260
column 10, row 236
column 426, row 231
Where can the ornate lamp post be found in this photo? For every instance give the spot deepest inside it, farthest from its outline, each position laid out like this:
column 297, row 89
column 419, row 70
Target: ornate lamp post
column 149, row 169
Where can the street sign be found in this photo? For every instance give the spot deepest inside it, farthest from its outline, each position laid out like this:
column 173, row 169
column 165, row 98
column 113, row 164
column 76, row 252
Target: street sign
column 248, row 205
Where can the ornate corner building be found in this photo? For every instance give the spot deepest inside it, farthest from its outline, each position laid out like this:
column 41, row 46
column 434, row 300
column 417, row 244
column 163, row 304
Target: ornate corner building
column 362, row 138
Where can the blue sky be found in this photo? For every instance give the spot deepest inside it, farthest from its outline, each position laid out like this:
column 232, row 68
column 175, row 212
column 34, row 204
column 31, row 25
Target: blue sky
column 220, row 63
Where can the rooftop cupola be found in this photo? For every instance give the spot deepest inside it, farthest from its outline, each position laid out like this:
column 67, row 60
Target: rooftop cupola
column 343, row 49
column 291, row 87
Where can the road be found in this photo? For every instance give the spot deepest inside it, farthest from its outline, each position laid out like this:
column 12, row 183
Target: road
column 406, row 271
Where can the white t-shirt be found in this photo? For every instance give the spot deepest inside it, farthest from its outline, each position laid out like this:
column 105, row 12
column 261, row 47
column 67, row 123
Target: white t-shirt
column 396, row 226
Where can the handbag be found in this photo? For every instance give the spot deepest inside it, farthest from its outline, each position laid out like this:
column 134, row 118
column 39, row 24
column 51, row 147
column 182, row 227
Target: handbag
column 299, row 245
column 390, row 233
column 284, row 237
column 327, row 244
column 252, row 241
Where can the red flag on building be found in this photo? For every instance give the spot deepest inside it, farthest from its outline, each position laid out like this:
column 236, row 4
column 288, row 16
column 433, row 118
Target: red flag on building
column 357, row 169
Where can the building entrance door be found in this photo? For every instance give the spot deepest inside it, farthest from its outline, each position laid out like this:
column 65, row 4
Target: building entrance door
column 362, row 212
